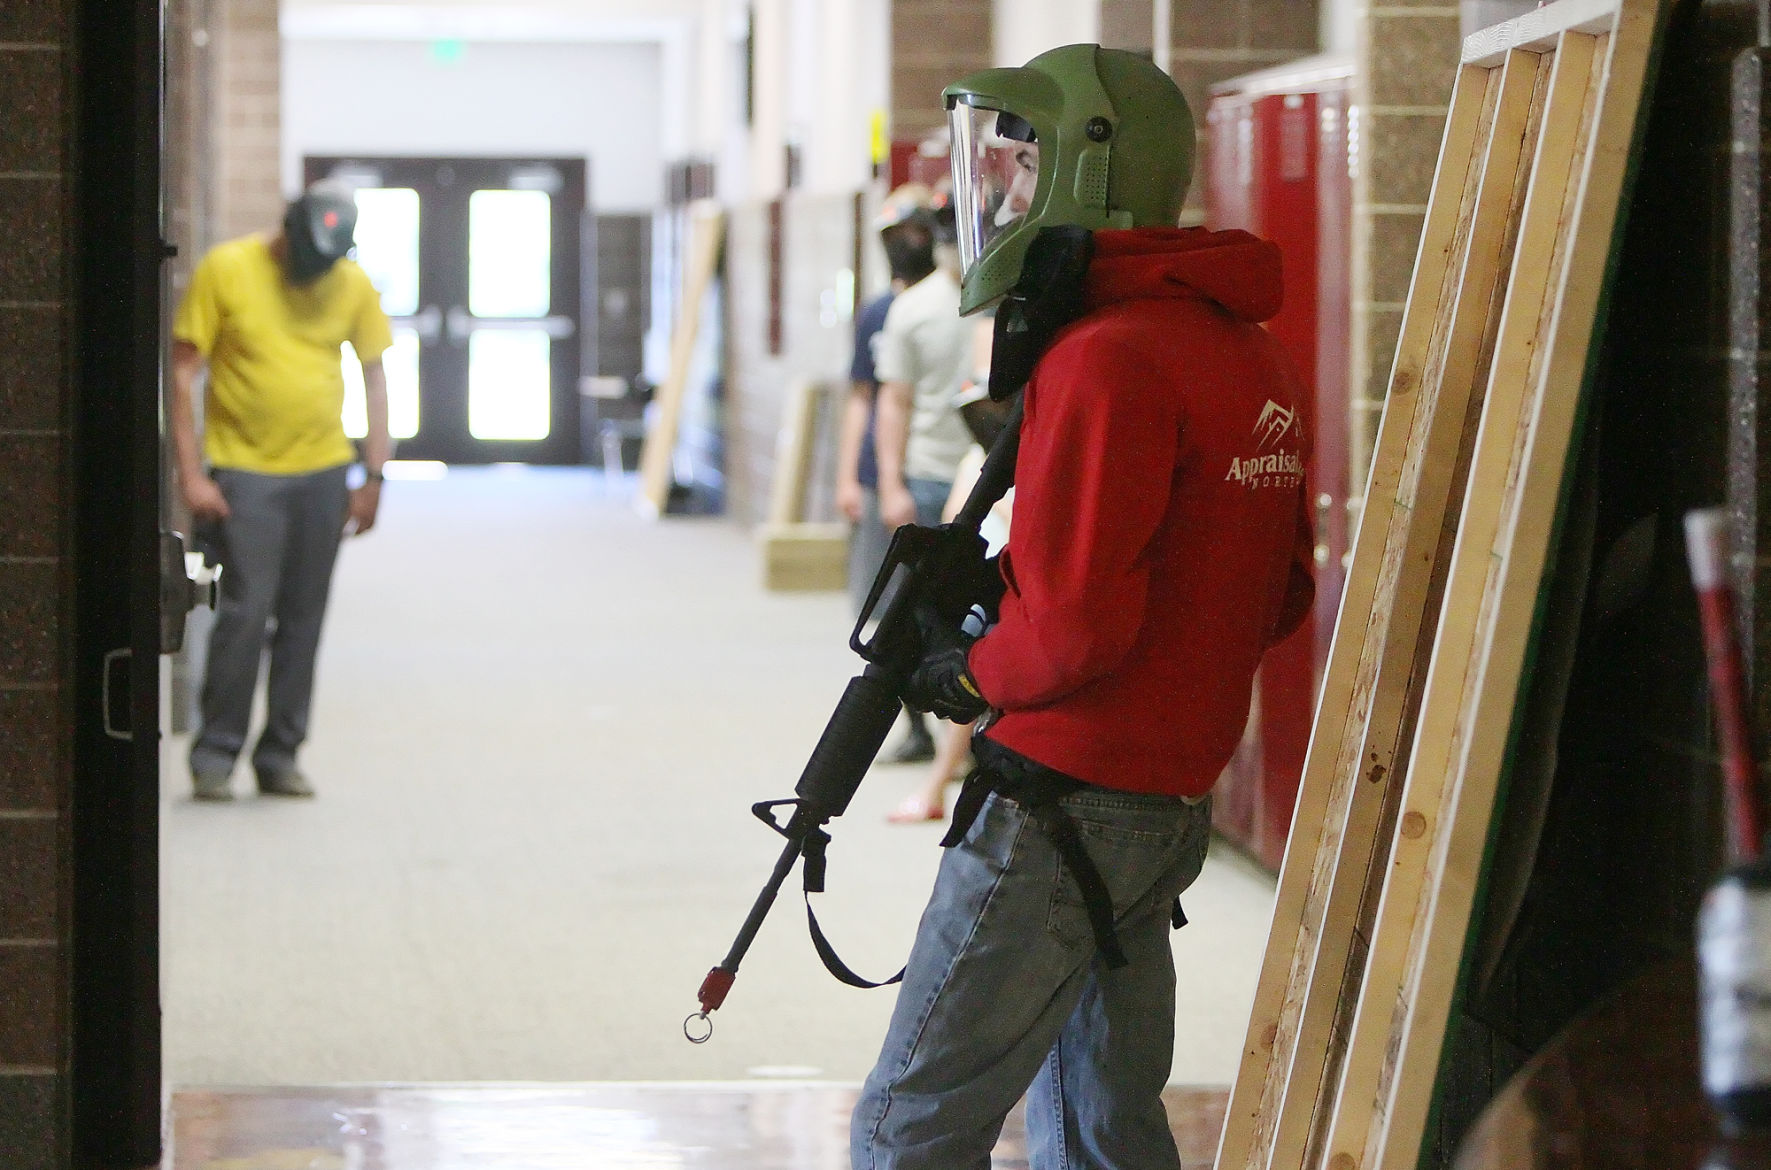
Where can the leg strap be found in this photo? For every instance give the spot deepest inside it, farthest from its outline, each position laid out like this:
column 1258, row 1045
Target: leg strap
column 1039, row 790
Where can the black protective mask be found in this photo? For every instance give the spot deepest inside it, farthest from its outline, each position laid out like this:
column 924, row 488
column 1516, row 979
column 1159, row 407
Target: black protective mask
column 1046, row 298
column 320, row 229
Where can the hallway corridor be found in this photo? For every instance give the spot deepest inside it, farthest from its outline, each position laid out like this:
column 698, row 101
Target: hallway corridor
column 569, row 1127
column 539, row 726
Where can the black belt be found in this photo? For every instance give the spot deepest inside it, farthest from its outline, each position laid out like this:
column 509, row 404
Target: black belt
column 1036, row 788
column 1039, row 789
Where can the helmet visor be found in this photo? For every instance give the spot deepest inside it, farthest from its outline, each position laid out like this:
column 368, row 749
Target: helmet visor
column 995, row 172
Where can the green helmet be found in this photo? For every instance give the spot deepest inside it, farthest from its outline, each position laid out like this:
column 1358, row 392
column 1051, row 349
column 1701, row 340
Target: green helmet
column 1097, row 138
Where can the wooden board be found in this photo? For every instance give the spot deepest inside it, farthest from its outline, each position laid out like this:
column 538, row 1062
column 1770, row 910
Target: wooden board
column 706, row 232
column 1358, row 872
column 1524, row 455
column 801, row 557
column 1341, row 794
column 1532, row 164
column 793, row 453
column 1540, row 236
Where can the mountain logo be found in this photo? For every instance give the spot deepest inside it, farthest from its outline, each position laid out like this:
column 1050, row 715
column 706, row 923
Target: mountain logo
column 1275, row 423
column 1272, row 465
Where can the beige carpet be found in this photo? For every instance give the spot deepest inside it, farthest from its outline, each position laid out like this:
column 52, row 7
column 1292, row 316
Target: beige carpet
column 541, row 721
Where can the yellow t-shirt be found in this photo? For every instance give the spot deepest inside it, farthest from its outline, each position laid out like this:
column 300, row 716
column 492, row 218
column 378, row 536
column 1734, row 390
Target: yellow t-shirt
column 276, row 385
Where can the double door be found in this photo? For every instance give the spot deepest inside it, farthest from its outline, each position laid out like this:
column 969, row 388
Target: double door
column 478, row 264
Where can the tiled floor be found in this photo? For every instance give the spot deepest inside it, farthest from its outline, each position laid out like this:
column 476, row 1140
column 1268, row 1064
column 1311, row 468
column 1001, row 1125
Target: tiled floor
column 565, row 1127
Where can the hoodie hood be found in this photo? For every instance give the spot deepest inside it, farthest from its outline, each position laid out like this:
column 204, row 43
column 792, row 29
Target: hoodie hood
column 1235, row 269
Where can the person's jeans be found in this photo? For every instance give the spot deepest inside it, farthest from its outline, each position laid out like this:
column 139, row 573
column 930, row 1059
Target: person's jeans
column 931, row 499
column 277, row 548
column 1005, row 993
column 868, row 539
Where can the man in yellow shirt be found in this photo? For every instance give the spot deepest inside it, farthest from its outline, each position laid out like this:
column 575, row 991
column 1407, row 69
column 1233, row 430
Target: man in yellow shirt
column 268, row 316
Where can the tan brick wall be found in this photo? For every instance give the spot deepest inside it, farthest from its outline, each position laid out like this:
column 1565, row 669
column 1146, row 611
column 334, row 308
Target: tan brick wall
column 1128, row 24
column 1215, row 40
column 934, row 42
column 1408, row 58
column 248, row 121
column 35, row 688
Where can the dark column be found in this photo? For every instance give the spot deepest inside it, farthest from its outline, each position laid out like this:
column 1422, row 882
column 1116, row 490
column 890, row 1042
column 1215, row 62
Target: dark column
column 1749, row 416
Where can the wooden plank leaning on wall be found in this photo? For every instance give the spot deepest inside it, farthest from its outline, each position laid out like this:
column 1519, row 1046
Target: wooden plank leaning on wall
column 1373, row 908
column 798, row 554
column 706, row 234
column 1526, row 452
column 1343, row 791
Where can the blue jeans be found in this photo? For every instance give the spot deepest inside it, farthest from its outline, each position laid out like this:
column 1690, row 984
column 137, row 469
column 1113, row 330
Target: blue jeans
column 1005, row 993
column 931, row 497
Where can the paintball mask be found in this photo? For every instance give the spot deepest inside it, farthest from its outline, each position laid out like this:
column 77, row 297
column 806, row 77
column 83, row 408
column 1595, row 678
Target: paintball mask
column 319, row 228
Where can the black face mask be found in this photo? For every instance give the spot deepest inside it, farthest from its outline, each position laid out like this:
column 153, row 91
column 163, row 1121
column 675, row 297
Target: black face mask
column 319, row 228
column 1047, row 297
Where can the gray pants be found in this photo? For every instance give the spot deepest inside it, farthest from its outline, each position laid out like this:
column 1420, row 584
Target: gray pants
column 278, row 547
column 867, row 549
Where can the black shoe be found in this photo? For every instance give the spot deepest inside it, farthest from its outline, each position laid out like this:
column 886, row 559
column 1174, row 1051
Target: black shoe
column 918, row 747
column 210, row 786
column 290, row 783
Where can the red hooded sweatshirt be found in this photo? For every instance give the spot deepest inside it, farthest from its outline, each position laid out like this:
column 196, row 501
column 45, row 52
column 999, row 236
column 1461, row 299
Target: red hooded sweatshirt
column 1159, row 542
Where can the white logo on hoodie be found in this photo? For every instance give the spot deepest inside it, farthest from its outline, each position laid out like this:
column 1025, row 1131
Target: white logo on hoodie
column 1274, row 424
column 1279, row 469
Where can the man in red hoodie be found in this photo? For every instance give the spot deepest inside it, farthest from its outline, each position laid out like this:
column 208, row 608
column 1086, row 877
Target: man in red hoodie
column 1159, row 545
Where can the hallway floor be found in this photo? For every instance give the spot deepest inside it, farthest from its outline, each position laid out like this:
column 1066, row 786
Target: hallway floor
column 540, row 723
column 567, row 1127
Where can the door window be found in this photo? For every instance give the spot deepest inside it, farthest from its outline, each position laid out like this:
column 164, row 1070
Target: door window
column 387, row 248
column 478, row 265
column 509, row 269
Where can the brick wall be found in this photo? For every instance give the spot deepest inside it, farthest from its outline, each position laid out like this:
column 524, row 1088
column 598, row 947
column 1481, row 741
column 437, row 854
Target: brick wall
column 934, row 42
column 1408, row 53
column 1214, row 40
column 34, row 679
column 249, row 193
column 1128, row 24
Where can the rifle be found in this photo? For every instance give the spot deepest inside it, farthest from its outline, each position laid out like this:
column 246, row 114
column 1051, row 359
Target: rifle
column 928, row 574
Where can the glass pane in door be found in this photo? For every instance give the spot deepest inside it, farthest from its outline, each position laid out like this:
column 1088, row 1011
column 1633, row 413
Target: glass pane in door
column 509, row 253
column 400, row 363
column 509, row 383
column 387, row 245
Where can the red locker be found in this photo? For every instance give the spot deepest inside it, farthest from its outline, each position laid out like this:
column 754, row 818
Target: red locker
column 1276, row 163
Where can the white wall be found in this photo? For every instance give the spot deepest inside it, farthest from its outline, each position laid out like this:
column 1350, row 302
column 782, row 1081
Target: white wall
column 1022, row 29
column 603, row 101
column 821, row 72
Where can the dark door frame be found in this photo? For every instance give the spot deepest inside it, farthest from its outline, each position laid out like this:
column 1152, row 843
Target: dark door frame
column 111, row 594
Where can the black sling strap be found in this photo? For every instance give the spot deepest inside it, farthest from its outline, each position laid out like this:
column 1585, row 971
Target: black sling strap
column 1036, row 788
column 813, row 853
column 1039, row 789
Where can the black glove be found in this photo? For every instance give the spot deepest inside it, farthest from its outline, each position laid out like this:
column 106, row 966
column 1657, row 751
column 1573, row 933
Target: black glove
column 942, row 682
